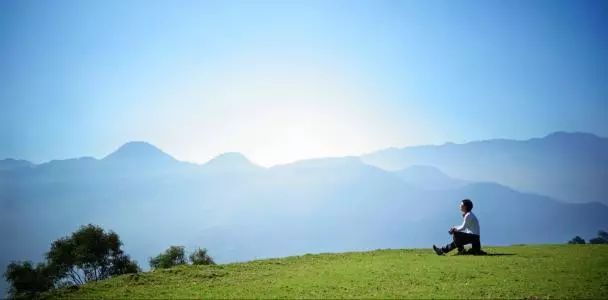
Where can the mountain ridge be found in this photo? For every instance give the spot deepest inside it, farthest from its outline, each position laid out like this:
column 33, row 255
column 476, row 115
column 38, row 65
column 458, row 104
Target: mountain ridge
column 571, row 167
column 392, row 148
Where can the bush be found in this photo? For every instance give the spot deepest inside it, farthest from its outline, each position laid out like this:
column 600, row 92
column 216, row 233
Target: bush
column 28, row 281
column 577, row 240
column 88, row 254
column 124, row 265
column 598, row 240
column 200, row 257
column 173, row 256
column 602, row 238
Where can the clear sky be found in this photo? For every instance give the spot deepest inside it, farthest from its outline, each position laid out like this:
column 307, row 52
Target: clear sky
column 286, row 80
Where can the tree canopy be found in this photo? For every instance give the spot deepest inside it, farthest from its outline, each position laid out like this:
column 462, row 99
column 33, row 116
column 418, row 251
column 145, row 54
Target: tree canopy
column 88, row 254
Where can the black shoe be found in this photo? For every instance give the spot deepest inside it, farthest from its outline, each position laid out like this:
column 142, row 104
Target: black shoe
column 437, row 250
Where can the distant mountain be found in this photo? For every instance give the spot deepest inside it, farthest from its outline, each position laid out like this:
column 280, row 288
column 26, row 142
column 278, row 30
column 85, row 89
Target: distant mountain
column 230, row 162
column 11, row 164
column 241, row 211
column 139, row 153
column 571, row 167
column 429, row 177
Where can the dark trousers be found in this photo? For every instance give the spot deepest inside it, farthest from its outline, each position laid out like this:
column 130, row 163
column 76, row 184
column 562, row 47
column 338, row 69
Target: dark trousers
column 460, row 239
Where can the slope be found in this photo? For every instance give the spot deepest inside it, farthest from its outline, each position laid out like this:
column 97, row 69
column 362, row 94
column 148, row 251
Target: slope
column 547, row 271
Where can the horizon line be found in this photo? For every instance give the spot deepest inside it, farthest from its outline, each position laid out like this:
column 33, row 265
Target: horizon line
column 309, row 158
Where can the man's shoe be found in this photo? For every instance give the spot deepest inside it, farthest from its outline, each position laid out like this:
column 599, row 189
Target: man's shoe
column 437, row 250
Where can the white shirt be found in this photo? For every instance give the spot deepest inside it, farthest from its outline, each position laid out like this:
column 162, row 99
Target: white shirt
column 470, row 224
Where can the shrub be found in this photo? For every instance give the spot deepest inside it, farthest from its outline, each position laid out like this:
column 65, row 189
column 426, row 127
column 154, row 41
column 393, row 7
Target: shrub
column 173, row 256
column 89, row 254
column 577, row 240
column 598, row 240
column 200, row 257
column 28, row 281
column 602, row 238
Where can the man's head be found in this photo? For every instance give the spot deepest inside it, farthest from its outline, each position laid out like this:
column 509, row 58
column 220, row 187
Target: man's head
column 466, row 205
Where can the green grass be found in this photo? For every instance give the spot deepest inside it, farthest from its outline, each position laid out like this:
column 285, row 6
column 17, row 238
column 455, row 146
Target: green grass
column 539, row 271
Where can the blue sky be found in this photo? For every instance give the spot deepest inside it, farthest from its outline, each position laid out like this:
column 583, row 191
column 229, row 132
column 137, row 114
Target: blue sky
column 286, row 80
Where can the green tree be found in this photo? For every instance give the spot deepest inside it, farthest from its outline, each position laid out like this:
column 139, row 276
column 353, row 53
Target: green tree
column 27, row 280
column 201, row 257
column 173, row 256
column 602, row 238
column 89, row 254
column 577, row 240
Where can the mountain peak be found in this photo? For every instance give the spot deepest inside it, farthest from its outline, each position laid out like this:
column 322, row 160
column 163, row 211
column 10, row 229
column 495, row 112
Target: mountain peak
column 230, row 161
column 11, row 164
column 231, row 156
column 139, row 151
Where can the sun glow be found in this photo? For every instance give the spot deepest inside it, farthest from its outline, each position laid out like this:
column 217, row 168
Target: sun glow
column 273, row 114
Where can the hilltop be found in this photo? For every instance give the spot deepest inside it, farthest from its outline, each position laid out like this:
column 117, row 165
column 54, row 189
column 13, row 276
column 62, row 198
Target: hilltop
column 241, row 211
column 545, row 271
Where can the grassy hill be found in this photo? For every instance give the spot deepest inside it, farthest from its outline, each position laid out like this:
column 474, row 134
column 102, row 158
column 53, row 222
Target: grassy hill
column 543, row 271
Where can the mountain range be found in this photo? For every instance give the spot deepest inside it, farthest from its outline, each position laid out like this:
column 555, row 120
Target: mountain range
column 544, row 190
column 571, row 167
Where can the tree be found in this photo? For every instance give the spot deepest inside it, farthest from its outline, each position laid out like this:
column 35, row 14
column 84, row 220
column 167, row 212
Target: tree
column 173, row 256
column 27, row 280
column 200, row 257
column 89, row 254
column 597, row 240
column 602, row 238
column 124, row 265
column 577, row 240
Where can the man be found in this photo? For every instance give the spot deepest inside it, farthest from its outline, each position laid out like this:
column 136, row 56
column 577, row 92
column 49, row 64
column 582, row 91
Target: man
column 466, row 233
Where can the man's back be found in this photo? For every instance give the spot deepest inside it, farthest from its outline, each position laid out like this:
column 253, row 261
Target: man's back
column 470, row 224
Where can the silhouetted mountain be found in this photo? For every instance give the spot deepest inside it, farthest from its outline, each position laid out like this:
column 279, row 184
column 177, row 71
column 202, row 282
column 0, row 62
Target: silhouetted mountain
column 316, row 205
column 429, row 177
column 571, row 167
column 230, row 162
column 139, row 152
column 11, row 164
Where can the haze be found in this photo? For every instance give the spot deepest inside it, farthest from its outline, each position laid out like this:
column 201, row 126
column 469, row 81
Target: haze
column 283, row 81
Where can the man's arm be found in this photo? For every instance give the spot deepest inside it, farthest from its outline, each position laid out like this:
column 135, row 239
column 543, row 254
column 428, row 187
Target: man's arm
column 462, row 226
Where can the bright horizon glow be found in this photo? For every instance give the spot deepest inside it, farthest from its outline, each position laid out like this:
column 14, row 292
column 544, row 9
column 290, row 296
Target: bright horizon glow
column 292, row 80
column 282, row 113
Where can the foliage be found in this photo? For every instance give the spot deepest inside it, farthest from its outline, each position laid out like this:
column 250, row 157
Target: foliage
column 173, row 256
column 602, row 238
column 201, row 257
column 598, row 240
column 89, row 254
column 532, row 271
column 122, row 264
column 577, row 240
column 27, row 280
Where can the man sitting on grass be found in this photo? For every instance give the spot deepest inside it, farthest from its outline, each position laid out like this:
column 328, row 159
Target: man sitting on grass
column 467, row 233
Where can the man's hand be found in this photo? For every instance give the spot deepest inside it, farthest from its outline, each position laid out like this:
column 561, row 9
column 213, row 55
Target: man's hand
column 452, row 230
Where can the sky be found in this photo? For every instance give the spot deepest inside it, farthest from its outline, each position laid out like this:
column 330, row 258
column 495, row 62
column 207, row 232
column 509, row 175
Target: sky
column 281, row 81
